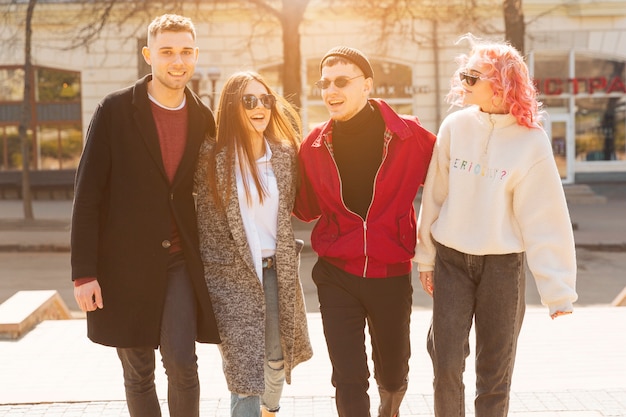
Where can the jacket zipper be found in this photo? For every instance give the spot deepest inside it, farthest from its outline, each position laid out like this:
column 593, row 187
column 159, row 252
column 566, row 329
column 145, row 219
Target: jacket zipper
column 385, row 153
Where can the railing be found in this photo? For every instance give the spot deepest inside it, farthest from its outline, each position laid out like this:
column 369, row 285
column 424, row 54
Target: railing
column 49, row 184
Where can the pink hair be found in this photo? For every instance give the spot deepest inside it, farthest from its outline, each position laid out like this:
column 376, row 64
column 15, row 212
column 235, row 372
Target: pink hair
column 509, row 76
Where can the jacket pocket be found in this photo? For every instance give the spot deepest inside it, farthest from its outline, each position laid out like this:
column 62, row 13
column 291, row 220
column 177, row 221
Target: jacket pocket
column 325, row 234
column 407, row 233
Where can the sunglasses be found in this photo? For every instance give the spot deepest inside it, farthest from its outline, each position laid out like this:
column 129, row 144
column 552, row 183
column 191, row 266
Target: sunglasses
column 340, row 82
column 469, row 78
column 250, row 101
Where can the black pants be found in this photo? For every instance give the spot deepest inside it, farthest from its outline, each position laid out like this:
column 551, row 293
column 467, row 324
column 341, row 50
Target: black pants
column 178, row 352
column 347, row 302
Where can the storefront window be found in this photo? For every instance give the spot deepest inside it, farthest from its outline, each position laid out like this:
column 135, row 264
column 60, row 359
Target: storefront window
column 599, row 76
column 555, row 105
column 11, row 84
column 59, row 147
column 551, row 69
column 56, row 134
column 600, row 129
column 595, row 94
column 54, row 85
column 10, row 151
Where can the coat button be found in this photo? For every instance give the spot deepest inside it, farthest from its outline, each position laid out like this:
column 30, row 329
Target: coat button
column 166, row 244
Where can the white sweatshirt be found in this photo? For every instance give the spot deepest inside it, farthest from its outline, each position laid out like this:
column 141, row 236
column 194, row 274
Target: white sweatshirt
column 493, row 188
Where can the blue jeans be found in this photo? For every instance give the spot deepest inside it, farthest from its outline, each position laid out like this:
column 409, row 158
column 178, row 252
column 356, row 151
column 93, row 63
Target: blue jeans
column 250, row 405
column 178, row 350
column 347, row 302
column 490, row 290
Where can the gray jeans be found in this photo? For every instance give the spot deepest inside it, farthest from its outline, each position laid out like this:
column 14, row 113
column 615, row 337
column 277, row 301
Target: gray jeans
column 490, row 290
column 178, row 350
column 249, row 405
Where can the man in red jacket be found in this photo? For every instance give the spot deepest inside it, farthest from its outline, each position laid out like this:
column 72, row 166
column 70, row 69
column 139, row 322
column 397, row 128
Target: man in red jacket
column 360, row 173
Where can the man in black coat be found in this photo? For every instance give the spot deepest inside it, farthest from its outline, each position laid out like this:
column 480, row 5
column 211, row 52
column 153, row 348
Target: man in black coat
column 136, row 264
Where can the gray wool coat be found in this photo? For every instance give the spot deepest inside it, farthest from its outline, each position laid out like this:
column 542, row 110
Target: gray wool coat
column 235, row 289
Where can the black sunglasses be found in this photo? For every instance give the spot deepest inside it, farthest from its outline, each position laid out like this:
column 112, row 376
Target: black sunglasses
column 469, row 78
column 250, row 101
column 340, row 82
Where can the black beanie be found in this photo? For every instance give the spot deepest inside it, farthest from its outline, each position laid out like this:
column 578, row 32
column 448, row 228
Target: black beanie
column 353, row 55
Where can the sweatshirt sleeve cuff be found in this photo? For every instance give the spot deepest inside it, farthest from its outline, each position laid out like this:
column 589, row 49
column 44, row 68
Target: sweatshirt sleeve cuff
column 425, row 267
column 565, row 306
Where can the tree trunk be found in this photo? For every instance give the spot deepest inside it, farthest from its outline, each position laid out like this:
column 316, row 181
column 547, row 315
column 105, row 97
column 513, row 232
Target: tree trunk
column 26, row 116
column 514, row 27
column 293, row 12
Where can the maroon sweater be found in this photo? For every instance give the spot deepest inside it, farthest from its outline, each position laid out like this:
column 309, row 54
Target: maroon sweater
column 172, row 129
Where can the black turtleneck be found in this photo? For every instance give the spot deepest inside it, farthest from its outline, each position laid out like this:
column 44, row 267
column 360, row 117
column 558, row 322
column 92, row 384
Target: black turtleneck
column 358, row 150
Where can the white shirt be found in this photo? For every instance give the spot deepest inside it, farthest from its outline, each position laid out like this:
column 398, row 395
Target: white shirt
column 260, row 221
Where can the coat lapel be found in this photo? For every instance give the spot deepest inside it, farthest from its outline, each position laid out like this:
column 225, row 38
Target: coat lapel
column 145, row 123
column 233, row 213
column 197, row 129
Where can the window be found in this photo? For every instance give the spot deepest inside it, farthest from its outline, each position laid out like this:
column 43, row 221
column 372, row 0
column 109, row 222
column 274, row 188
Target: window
column 55, row 132
column 10, row 151
column 600, row 129
column 595, row 94
column 59, row 147
column 11, row 84
column 55, row 86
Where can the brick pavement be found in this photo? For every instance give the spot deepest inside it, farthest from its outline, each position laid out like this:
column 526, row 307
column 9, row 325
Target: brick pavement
column 574, row 366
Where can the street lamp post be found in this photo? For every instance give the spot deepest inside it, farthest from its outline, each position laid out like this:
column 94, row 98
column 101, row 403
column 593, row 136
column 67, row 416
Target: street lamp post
column 214, row 74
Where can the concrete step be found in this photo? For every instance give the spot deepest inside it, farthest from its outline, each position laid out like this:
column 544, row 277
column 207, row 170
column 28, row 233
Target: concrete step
column 620, row 300
column 25, row 309
column 582, row 194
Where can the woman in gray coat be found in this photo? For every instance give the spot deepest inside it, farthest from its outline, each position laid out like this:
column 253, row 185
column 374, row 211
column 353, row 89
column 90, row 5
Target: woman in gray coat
column 246, row 182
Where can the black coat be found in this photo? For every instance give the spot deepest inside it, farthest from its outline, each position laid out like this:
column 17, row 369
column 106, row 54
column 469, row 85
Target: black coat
column 121, row 218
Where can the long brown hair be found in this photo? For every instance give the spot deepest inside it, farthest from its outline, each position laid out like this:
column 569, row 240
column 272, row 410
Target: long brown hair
column 233, row 135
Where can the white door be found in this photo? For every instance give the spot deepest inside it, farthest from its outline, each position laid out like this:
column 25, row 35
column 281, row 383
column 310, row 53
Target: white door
column 559, row 129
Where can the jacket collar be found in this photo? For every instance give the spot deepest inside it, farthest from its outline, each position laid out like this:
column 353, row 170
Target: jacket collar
column 394, row 124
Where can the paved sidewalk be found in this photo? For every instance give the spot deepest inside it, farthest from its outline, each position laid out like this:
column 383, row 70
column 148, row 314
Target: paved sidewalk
column 574, row 366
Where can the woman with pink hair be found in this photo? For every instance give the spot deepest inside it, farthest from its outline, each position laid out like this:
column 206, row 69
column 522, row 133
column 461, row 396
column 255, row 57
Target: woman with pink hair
column 492, row 202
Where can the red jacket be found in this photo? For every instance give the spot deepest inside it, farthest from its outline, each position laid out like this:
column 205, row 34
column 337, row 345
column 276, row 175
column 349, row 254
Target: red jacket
column 383, row 244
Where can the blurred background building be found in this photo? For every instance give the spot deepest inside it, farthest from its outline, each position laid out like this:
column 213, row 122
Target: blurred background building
column 83, row 50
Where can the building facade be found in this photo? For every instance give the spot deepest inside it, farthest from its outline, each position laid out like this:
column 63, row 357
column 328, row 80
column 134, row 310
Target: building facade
column 576, row 51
